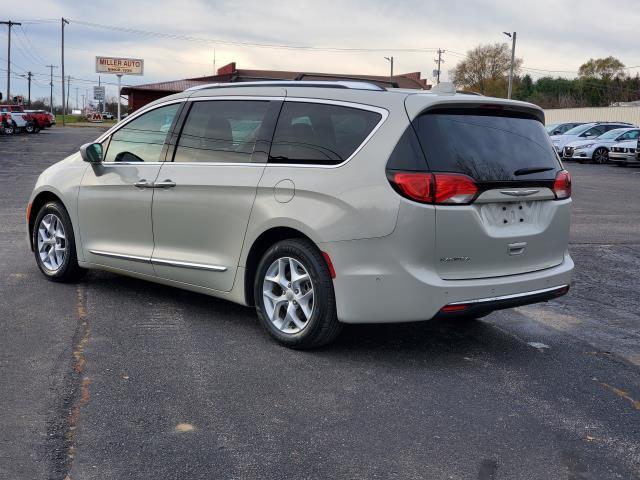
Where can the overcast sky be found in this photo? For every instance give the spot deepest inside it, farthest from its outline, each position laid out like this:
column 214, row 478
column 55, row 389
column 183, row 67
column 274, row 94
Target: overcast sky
column 552, row 35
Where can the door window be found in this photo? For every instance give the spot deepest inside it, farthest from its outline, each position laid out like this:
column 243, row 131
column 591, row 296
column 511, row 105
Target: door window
column 318, row 133
column 142, row 139
column 221, row 131
column 630, row 135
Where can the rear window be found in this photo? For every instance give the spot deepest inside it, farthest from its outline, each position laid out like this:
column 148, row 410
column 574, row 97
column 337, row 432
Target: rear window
column 486, row 146
column 318, row 133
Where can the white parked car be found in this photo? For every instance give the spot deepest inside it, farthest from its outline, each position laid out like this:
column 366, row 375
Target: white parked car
column 585, row 132
column 597, row 149
column 624, row 153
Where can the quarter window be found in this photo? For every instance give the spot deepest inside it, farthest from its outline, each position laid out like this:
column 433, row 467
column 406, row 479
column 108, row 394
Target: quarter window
column 221, row 131
column 317, row 133
column 142, row 139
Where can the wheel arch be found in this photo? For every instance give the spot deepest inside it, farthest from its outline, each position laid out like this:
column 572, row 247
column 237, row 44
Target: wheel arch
column 261, row 245
column 37, row 203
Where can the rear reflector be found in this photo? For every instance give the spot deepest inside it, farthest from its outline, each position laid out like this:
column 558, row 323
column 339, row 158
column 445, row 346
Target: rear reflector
column 435, row 188
column 332, row 271
column 562, row 185
column 454, row 308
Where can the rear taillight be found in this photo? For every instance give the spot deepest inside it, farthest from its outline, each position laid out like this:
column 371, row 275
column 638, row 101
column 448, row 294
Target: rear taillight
column 436, row 188
column 562, row 185
column 454, row 189
column 415, row 186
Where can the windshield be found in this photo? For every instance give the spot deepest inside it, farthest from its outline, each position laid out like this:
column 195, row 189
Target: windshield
column 578, row 130
column 611, row 134
column 487, row 146
column 551, row 127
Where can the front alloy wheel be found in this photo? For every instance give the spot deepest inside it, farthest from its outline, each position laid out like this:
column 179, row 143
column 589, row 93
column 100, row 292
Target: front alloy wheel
column 52, row 242
column 601, row 155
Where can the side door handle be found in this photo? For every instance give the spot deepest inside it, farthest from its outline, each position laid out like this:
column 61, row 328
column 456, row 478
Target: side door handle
column 143, row 184
column 164, row 184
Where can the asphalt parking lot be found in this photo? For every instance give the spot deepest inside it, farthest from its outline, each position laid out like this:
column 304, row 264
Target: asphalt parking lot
column 118, row 378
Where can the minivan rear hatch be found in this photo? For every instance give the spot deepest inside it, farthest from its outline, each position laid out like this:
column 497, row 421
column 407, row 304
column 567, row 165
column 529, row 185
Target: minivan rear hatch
column 515, row 222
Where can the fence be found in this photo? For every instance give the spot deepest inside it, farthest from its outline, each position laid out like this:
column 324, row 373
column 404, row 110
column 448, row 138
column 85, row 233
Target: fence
column 595, row 114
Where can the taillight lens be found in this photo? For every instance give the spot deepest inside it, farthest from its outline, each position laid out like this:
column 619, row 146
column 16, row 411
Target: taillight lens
column 415, row 186
column 562, row 185
column 437, row 188
column 454, row 189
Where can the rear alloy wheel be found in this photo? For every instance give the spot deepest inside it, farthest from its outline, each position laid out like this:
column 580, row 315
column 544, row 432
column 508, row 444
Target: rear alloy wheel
column 600, row 155
column 54, row 244
column 294, row 295
column 29, row 128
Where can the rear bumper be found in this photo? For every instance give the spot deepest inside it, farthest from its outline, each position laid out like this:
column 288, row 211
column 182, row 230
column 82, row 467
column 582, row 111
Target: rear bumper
column 396, row 278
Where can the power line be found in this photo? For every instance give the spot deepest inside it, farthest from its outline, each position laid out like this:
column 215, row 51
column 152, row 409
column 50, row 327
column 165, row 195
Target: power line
column 187, row 38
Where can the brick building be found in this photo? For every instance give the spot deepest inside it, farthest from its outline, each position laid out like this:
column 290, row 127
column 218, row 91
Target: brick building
column 140, row 95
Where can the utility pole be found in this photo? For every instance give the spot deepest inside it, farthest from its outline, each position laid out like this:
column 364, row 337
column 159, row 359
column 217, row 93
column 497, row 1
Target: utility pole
column 390, row 60
column 77, row 106
column 68, row 85
column 513, row 57
column 51, row 88
column 9, row 24
column 64, row 110
column 439, row 61
column 214, row 62
column 28, row 77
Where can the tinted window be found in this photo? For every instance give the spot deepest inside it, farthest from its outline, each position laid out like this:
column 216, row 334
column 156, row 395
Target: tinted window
column 221, row 131
column 142, row 139
column 485, row 146
column 630, row 135
column 595, row 131
column 320, row 133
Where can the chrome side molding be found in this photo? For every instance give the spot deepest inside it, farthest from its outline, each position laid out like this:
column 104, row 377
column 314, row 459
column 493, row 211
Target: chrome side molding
column 121, row 256
column 160, row 261
column 195, row 266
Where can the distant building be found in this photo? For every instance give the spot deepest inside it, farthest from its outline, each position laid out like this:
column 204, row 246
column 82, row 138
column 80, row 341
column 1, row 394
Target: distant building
column 140, row 95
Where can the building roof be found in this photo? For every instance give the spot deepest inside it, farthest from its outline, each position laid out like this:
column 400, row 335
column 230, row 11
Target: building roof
column 229, row 73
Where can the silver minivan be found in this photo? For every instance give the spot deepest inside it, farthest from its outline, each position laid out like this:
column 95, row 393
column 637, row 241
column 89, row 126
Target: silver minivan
column 319, row 203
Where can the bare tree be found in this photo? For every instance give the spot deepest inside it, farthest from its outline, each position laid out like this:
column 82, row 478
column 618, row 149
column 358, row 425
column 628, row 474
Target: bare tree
column 603, row 68
column 486, row 69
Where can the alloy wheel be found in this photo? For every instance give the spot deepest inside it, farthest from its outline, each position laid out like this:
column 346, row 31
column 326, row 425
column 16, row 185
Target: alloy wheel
column 52, row 242
column 287, row 291
column 600, row 155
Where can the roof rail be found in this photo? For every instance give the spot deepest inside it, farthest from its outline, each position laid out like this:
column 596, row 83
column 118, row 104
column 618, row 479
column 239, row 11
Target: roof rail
column 391, row 83
column 354, row 85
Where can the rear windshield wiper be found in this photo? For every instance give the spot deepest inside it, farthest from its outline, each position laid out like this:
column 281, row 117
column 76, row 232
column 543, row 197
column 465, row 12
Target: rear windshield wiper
column 527, row 171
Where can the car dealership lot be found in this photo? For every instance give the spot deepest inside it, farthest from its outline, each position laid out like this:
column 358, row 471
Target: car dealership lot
column 116, row 377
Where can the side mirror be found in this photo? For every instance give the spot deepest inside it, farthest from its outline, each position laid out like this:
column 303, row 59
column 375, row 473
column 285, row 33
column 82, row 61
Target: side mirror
column 91, row 152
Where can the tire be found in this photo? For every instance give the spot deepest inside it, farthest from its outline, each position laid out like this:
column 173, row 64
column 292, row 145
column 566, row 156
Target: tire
column 600, row 155
column 29, row 128
column 305, row 326
column 9, row 130
column 61, row 267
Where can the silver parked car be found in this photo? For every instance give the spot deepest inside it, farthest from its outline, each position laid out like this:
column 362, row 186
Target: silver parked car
column 320, row 203
column 624, row 153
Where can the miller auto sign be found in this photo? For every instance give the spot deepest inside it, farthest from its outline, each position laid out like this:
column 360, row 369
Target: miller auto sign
column 120, row 66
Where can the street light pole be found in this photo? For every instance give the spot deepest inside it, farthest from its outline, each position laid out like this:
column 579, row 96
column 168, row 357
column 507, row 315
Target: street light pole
column 64, row 109
column 390, row 60
column 513, row 58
